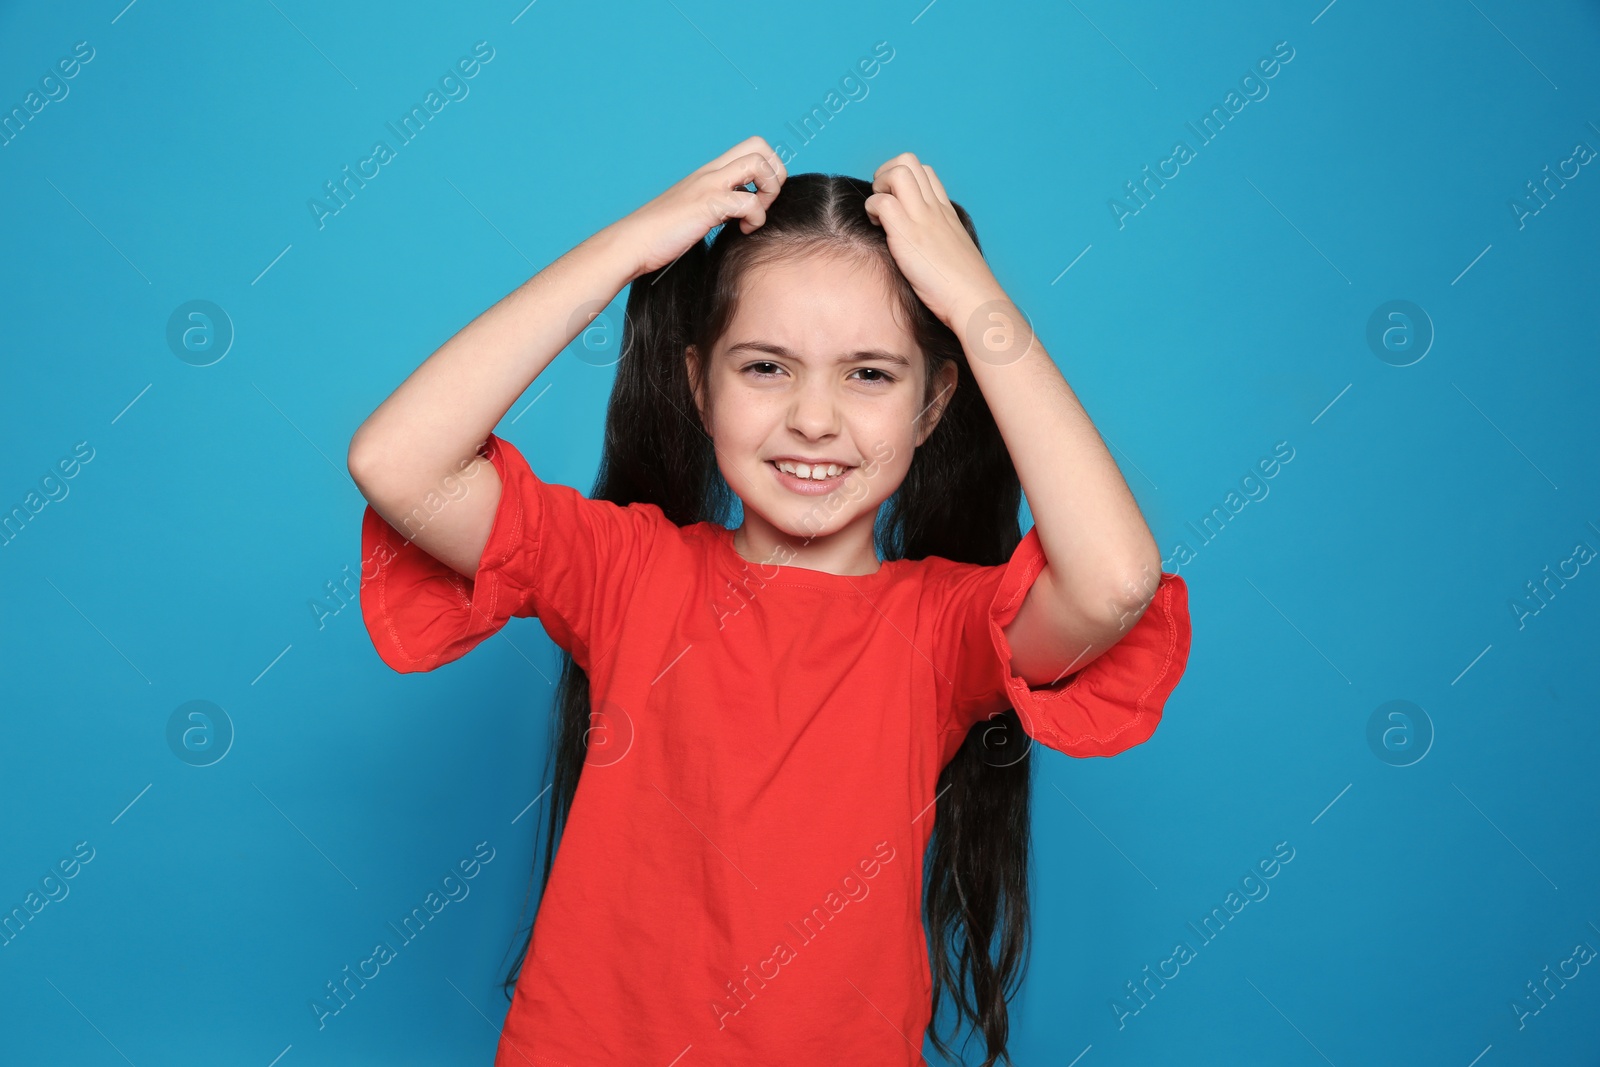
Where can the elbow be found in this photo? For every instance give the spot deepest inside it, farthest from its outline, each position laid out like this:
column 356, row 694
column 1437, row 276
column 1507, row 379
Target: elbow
column 356, row 463
column 360, row 457
column 1136, row 584
column 1124, row 602
column 1114, row 593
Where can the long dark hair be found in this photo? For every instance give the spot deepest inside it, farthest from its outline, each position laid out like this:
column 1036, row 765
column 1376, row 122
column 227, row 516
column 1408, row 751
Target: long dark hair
column 959, row 500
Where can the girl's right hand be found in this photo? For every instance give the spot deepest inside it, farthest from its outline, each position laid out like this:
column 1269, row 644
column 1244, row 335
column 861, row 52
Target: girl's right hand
column 663, row 229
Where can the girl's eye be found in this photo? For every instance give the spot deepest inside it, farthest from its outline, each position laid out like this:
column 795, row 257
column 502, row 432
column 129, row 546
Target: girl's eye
column 768, row 369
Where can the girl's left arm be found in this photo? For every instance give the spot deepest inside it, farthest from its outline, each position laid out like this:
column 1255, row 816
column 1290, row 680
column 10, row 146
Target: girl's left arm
column 1103, row 566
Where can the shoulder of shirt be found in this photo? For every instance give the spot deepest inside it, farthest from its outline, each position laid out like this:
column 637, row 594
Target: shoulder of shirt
column 938, row 575
column 944, row 579
column 940, row 567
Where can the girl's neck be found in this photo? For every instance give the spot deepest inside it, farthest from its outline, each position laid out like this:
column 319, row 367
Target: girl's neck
column 848, row 551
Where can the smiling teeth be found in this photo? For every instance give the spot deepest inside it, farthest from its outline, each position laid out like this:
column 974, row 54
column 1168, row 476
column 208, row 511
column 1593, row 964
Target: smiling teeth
column 820, row 472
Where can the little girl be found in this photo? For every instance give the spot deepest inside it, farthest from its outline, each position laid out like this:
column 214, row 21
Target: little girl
column 771, row 737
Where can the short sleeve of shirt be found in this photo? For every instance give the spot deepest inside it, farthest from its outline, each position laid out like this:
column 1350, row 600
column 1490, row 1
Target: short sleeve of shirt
column 551, row 553
column 1111, row 704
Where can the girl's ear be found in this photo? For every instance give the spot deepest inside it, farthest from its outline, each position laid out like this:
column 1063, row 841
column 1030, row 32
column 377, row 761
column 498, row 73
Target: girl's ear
column 690, row 365
column 944, row 387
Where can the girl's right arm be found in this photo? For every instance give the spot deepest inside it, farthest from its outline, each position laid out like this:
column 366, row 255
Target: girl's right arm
column 417, row 439
column 427, row 432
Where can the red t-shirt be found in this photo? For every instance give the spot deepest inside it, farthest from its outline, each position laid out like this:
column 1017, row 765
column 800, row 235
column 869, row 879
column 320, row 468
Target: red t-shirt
column 740, row 879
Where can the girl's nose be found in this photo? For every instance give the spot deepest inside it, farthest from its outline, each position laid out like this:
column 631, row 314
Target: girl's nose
column 814, row 412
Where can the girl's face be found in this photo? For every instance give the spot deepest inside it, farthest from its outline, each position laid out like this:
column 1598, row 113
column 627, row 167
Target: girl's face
column 814, row 400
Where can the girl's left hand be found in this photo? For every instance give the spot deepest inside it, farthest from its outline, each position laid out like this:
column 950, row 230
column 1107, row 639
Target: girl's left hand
column 927, row 240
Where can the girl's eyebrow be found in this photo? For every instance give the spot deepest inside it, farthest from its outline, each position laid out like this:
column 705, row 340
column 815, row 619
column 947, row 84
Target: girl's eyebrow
column 852, row 357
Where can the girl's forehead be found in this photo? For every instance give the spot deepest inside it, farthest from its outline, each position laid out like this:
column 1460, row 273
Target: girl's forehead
column 817, row 306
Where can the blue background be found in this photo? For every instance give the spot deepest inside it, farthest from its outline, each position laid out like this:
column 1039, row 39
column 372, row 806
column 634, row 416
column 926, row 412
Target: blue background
column 1437, row 869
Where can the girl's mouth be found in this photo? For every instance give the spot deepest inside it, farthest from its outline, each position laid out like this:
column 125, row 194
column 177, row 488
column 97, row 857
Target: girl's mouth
column 809, row 486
